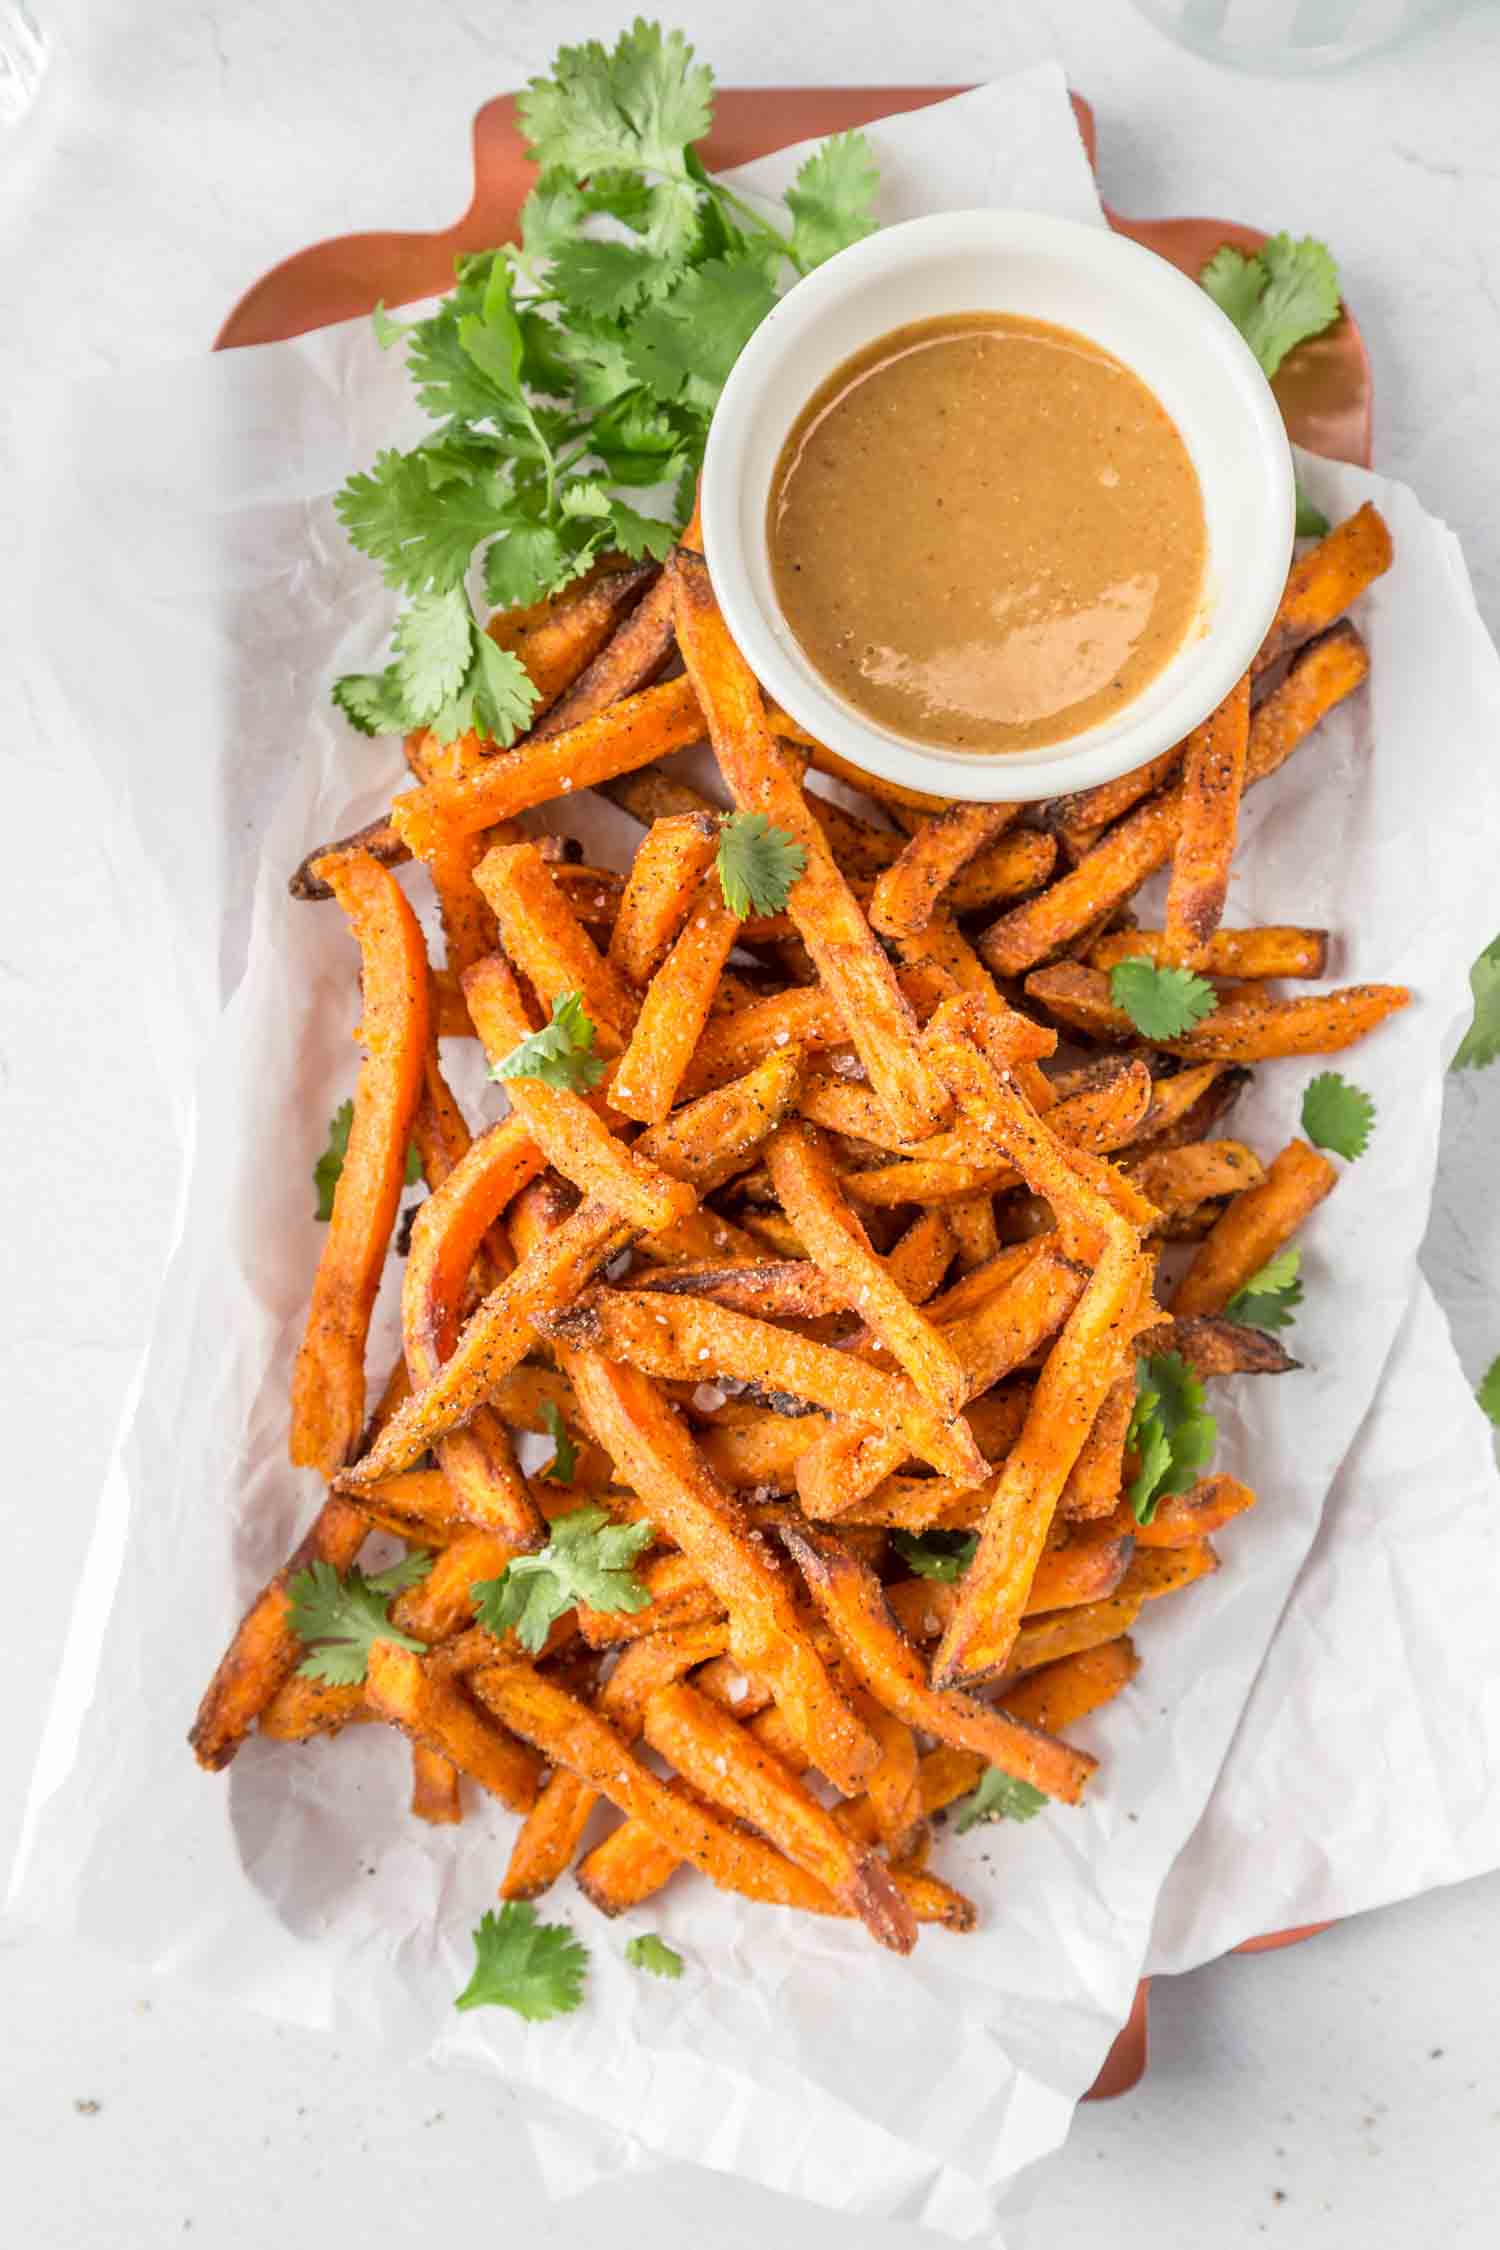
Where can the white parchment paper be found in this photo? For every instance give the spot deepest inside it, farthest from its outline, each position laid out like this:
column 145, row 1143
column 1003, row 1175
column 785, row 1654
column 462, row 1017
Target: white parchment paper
column 792, row 2052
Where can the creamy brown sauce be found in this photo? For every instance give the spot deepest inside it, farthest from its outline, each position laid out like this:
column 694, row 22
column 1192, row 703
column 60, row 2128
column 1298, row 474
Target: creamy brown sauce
column 986, row 532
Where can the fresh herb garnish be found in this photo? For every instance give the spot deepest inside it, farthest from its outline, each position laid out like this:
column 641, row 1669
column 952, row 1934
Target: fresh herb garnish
column 1278, row 297
column 1162, row 1003
column 1311, row 521
column 588, row 1558
column 574, row 370
column 654, row 1955
column 536, row 1968
column 329, row 1167
column 559, row 1470
column 1337, row 1115
column 340, row 1618
column 1270, row 1297
column 561, row 1054
column 943, row 1555
column 1488, row 1391
column 758, row 864
column 1481, row 1042
column 1000, row 1796
column 1171, row 1433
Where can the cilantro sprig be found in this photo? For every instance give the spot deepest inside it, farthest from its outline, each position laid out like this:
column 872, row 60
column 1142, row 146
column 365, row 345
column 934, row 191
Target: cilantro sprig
column 654, row 1955
column 1000, row 1796
column 1487, row 1391
column 340, row 1619
column 561, row 1054
column 1270, row 1297
column 1171, row 1433
column 328, row 1170
column 588, row 1558
column 534, row 1968
column 575, row 372
column 1162, row 1003
column 1337, row 1115
column 757, row 864
column 941, row 1555
column 1278, row 298
column 1480, row 1044
column 559, row 1470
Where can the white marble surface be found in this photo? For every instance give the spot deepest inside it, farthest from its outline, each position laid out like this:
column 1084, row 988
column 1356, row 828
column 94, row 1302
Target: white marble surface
column 1341, row 2091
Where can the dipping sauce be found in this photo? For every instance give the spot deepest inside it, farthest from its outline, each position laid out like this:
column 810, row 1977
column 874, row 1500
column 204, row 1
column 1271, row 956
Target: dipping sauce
column 986, row 532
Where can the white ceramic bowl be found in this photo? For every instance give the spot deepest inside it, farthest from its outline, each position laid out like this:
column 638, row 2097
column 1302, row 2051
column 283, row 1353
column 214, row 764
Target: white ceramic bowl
column 1101, row 285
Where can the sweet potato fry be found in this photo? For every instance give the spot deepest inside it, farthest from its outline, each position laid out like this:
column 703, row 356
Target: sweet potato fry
column 850, row 1598
column 1087, row 1569
column 1018, row 863
column 856, row 973
column 729, row 1767
column 1105, row 876
column 675, row 1009
column 805, row 1181
column 1100, row 1117
column 1059, row 1695
column 1093, row 1483
column 1212, row 1346
column 671, row 860
column 558, row 636
column 892, row 796
column 435, row 1793
column 1269, row 952
column 1182, row 1519
column 701, row 1144
column 679, row 1597
column 328, row 1381
column 690, row 1339
column 1253, row 1229
column 1179, row 1179
column 629, row 660
column 767, row 1289
column 911, row 886
column 1068, row 1632
column 437, row 1714
column 1325, row 580
column 302, row 1708
column 570, row 1734
column 566, row 1127
column 735, row 1042
column 1243, row 1029
column 972, row 1219
column 549, row 945
column 651, row 794
column 376, row 840
column 1080, row 819
column 1213, row 776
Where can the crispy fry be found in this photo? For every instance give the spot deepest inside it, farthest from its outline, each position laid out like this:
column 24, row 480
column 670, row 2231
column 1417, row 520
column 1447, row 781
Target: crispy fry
column 850, row 1598
column 1270, row 952
column 1179, row 1179
column 729, row 1767
column 972, row 1219
column 1099, row 1117
column 303, row 1707
column 679, row 1597
column 651, row 794
column 629, row 660
column 857, row 974
column 434, row 1787
column 907, row 892
column 675, row 1009
column 1325, row 580
column 1253, row 1229
column 1067, row 1632
column 671, row 860
column 1093, row 1482
column 1213, row 775
column 1182, row 1519
column 1087, row 1569
column 805, row 1180
column 549, row 945
column 376, row 840
column 733, row 1043
column 1080, row 819
column 439, row 1716
column 557, row 637
column 1245, row 1028
column 328, row 1381
column 768, row 1289
column 1059, row 1695
column 1018, row 863
column 1212, row 1346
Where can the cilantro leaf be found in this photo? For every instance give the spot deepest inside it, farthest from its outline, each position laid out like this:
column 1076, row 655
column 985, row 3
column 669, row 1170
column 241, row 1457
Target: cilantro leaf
column 564, row 1461
column 757, row 864
column 1170, row 1431
column 1162, row 1003
column 830, row 199
column 637, row 535
column 562, row 1054
column 607, row 278
column 371, row 701
column 1277, row 298
column 339, row 1618
column 588, row 1558
column 420, row 515
column 634, row 108
column 1311, row 521
column 943, row 1555
column 1488, row 1391
column 653, row 1954
column 1337, row 1115
column 329, row 1168
column 1000, row 1796
column 536, row 1968
column 434, row 649
column 684, row 347
column 502, row 694
column 1481, row 1042
column 1270, row 1297
column 528, row 560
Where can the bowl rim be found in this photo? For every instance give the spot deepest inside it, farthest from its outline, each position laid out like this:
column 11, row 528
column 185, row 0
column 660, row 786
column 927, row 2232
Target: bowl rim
column 1111, row 747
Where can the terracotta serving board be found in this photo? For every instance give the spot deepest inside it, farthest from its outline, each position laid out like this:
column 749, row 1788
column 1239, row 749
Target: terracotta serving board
column 1325, row 388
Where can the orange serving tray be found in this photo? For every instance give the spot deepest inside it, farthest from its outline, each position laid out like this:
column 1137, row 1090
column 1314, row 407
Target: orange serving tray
column 1324, row 389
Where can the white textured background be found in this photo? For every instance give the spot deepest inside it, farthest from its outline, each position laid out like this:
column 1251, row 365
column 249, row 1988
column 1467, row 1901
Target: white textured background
column 1341, row 2092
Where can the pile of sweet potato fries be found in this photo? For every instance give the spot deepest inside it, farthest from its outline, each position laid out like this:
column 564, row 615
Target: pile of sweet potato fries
column 836, row 1248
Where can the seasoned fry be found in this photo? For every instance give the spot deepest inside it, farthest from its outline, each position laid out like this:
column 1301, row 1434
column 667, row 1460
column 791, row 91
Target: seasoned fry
column 1243, row 1029
column 907, row 892
column 1212, row 1346
column 1182, row 1519
column 376, row 840
column 557, row 637
column 328, row 1381
column 1253, row 1229
column 851, row 964
column 671, row 860
column 1227, row 953
column 675, row 1009
column 434, row 1788
column 1179, row 1179
column 1325, row 580
column 630, row 659
column 1067, row 1632
column 1213, row 775
column 549, row 945
column 1093, row 1482
column 734, row 1043
column 1080, row 819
